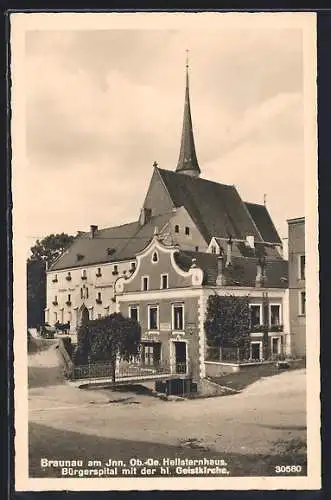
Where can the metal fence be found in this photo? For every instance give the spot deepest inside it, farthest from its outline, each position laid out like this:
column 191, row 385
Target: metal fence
column 129, row 371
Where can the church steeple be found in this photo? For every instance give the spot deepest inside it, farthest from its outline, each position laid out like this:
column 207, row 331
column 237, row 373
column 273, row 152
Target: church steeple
column 187, row 161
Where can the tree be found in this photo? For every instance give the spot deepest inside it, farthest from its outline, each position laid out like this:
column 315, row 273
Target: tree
column 50, row 248
column 107, row 338
column 227, row 321
column 43, row 254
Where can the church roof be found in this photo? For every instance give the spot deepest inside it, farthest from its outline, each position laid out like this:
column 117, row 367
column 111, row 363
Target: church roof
column 216, row 209
column 263, row 221
column 187, row 160
column 241, row 273
column 111, row 244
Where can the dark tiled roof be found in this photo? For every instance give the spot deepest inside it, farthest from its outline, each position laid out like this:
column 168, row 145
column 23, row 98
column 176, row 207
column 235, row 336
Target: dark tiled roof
column 241, row 273
column 124, row 242
column 216, row 209
column 240, row 249
column 263, row 221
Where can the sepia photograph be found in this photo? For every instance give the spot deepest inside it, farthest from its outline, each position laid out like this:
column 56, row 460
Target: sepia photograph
column 166, row 314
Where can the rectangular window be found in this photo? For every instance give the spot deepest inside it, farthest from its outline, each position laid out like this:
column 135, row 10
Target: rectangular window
column 133, row 312
column 302, row 267
column 55, row 317
column 176, row 228
column 81, row 293
column 115, row 268
column 69, row 297
column 153, row 317
column 133, row 266
column 275, row 315
column 144, row 283
column 255, row 315
column 302, row 303
column 187, row 230
column 164, row 281
column 178, row 317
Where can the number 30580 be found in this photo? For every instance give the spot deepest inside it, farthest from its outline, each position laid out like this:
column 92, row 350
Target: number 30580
column 280, row 469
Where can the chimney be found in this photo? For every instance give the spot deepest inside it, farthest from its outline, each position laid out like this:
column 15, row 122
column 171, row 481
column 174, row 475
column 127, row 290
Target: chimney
column 260, row 272
column 93, row 230
column 220, row 280
column 229, row 253
column 250, row 241
column 145, row 216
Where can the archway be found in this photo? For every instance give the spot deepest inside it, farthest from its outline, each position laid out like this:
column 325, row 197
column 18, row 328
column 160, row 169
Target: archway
column 83, row 315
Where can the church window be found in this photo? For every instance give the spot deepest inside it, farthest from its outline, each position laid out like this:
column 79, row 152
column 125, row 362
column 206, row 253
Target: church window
column 187, row 231
column 176, row 228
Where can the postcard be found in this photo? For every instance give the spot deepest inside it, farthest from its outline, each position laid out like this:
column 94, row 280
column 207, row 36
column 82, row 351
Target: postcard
column 166, row 295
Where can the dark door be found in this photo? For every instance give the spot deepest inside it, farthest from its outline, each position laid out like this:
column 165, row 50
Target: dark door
column 180, row 355
column 255, row 350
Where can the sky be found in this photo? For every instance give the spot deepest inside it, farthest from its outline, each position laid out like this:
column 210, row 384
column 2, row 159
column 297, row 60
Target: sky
column 103, row 105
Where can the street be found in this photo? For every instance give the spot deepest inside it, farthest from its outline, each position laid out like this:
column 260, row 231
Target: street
column 262, row 426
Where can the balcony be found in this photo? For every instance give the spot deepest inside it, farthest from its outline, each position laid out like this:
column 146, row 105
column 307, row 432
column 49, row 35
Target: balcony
column 115, row 273
column 276, row 328
column 98, row 301
column 68, row 278
column 83, row 277
column 68, row 303
column 98, row 275
column 55, row 303
column 55, row 280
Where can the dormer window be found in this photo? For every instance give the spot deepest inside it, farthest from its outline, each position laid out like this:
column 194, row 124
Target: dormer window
column 187, row 231
column 115, row 271
column 155, row 257
column 176, row 228
column 84, row 276
column 98, row 275
column 213, row 249
column 68, row 277
column 55, row 279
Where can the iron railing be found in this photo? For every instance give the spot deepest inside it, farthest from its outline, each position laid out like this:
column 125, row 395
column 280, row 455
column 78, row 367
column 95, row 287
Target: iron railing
column 130, row 371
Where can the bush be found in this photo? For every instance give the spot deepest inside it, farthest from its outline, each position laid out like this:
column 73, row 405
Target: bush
column 68, row 345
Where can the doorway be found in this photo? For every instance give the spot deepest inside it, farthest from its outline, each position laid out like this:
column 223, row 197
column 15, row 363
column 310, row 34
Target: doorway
column 180, row 357
column 275, row 346
column 84, row 315
column 256, row 351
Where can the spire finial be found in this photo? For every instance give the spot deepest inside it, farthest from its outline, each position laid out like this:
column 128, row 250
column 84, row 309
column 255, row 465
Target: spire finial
column 187, row 162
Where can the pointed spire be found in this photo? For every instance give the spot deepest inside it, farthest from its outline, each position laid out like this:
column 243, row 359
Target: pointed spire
column 187, row 162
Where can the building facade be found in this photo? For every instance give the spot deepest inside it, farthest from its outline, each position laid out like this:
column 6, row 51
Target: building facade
column 168, row 294
column 297, row 284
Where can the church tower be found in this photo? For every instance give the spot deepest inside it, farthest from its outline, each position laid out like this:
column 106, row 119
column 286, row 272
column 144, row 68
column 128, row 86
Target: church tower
column 187, row 161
